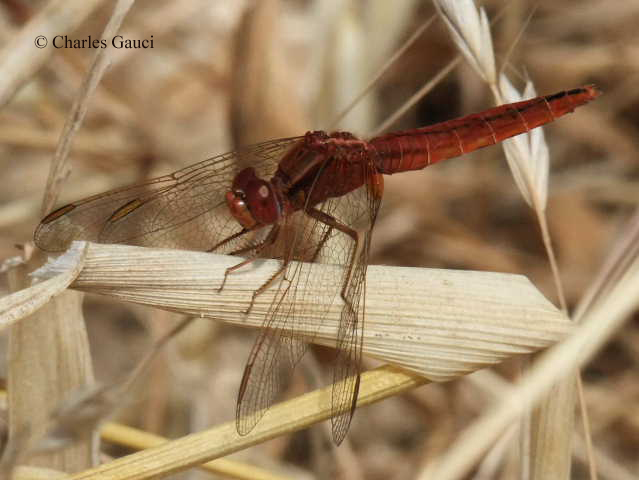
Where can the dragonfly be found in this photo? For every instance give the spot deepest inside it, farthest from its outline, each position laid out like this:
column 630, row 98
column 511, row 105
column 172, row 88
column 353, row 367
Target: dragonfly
column 306, row 201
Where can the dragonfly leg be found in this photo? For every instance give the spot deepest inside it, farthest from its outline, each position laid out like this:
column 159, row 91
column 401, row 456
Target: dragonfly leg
column 321, row 244
column 282, row 270
column 256, row 249
column 227, row 240
column 266, row 285
column 334, row 223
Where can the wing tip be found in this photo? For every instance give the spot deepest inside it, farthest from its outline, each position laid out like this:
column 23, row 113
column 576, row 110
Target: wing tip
column 46, row 236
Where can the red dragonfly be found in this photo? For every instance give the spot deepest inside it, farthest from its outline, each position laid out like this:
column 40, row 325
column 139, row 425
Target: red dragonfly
column 310, row 199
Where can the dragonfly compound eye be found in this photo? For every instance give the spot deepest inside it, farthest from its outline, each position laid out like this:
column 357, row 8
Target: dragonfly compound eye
column 239, row 210
column 252, row 201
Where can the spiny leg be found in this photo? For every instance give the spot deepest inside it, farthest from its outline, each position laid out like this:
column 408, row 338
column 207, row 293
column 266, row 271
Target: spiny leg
column 257, row 249
column 285, row 263
column 228, row 239
column 280, row 271
column 321, row 244
column 334, row 223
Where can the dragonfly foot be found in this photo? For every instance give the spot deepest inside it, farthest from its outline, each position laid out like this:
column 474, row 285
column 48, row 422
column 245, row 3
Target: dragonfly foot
column 250, row 307
column 219, row 290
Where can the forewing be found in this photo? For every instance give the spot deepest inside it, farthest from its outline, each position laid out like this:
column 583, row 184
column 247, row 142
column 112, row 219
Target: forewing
column 185, row 209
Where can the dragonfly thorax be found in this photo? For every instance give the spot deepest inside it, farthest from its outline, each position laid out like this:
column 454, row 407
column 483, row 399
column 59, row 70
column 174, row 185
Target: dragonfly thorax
column 252, row 201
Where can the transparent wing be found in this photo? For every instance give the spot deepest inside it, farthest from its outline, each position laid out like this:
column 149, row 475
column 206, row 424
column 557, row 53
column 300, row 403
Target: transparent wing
column 296, row 314
column 185, row 209
column 363, row 208
column 346, row 373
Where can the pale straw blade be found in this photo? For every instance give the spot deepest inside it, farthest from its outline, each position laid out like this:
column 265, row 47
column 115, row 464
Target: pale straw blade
column 439, row 323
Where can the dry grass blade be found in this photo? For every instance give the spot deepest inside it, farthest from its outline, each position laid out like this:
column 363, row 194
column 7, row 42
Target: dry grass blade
column 489, row 383
column 439, row 323
column 467, row 321
column 35, row 473
column 26, row 302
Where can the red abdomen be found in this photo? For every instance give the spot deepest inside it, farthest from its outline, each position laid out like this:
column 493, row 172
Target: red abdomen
column 416, row 149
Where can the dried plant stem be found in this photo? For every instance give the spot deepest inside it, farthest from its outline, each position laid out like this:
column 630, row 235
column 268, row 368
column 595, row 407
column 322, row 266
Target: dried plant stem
column 417, row 96
column 49, row 357
column 617, row 264
column 428, row 86
column 286, row 417
column 599, row 325
column 101, row 61
column 552, row 431
column 551, row 439
column 50, row 348
column 489, row 383
column 546, row 448
column 20, row 59
column 145, row 362
column 585, row 422
column 542, row 220
column 55, row 335
column 545, row 434
column 139, row 440
column 383, row 69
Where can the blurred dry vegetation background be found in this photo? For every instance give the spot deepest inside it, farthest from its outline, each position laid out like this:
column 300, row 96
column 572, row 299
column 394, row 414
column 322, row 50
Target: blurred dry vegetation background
column 224, row 73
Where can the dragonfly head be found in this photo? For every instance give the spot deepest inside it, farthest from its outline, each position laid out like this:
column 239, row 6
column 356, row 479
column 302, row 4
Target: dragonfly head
column 252, row 201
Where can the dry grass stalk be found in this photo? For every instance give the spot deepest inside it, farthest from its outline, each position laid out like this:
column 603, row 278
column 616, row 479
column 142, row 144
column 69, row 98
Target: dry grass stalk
column 417, row 96
column 481, row 59
column 295, row 414
column 548, row 432
column 599, row 323
column 49, row 354
column 383, row 69
column 58, row 170
column 139, row 440
column 345, row 71
column 48, row 358
column 489, row 383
